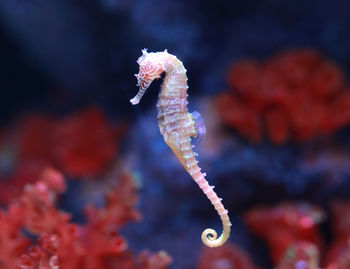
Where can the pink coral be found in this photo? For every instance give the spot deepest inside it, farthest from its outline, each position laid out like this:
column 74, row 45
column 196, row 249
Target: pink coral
column 296, row 95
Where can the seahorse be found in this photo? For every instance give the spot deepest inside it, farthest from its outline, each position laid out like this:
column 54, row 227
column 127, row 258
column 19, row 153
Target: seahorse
column 177, row 126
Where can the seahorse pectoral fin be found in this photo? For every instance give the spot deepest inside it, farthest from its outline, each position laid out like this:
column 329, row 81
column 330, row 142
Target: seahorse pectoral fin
column 199, row 125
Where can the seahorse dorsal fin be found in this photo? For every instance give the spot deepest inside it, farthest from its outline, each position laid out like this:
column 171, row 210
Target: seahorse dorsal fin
column 200, row 125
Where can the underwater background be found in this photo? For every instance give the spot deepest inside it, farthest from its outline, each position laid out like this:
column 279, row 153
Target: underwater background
column 86, row 180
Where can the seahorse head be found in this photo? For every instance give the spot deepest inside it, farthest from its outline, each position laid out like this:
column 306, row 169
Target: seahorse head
column 151, row 66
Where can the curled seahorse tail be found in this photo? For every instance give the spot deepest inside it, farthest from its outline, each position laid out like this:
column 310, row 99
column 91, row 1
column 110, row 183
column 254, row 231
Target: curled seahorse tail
column 209, row 236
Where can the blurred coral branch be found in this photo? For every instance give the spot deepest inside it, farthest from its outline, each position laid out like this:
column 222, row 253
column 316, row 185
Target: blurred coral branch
column 63, row 244
column 297, row 94
column 82, row 146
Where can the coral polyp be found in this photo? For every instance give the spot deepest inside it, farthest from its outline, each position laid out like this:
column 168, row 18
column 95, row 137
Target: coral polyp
column 177, row 126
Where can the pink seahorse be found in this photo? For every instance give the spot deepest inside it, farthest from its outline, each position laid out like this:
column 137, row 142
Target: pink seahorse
column 177, row 126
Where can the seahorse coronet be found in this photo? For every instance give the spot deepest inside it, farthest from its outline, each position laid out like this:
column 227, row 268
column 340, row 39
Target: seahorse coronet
column 177, row 125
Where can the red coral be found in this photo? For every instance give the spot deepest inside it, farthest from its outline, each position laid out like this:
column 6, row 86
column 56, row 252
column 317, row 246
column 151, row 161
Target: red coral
column 26, row 172
column 340, row 210
column 300, row 255
column 44, row 255
column 34, row 138
column 119, row 207
column 226, row 256
column 286, row 224
column 37, row 204
column 85, row 143
column 340, row 260
column 295, row 94
column 34, row 211
column 62, row 244
column 235, row 113
column 12, row 242
column 277, row 125
column 82, row 146
column 338, row 256
column 159, row 260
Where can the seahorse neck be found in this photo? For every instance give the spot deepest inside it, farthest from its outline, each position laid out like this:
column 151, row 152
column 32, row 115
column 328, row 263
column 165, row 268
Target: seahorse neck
column 172, row 101
column 175, row 81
